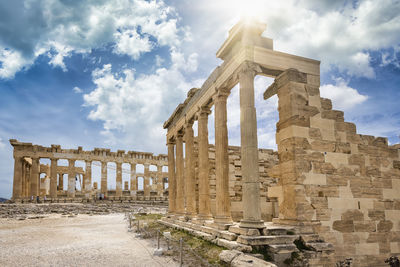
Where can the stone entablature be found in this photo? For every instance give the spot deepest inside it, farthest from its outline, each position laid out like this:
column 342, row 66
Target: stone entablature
column 27, row 170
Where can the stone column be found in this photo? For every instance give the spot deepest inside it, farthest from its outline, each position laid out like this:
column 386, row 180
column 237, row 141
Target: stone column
column 103, row 185
column 171, row 177
column 133, row 179
column 118, row 188
column 23, row 179
column 249, row 150
column 204, row 183
column 190, row 192
column 17, row 183
column 88, row 176
column 223, row 203
column 71, row 178
column 61, row 182
column 53, row 178
column 28, row 181
column 160, row 186
column 179, row 204
column 146, row 182
column 35, row 183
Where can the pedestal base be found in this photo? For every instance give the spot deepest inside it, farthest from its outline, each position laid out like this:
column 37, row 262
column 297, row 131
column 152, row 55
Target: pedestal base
column 252, row 224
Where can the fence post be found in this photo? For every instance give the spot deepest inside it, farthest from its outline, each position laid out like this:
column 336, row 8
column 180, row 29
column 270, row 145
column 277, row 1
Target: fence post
column 180, row 252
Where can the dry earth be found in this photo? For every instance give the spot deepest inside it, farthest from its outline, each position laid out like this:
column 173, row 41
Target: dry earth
column 83, row 240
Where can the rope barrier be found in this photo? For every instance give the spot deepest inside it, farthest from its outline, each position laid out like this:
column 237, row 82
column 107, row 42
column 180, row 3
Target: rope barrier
column 180, row 244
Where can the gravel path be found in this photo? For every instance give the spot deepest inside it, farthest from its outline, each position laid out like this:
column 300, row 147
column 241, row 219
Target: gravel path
column 100, row 240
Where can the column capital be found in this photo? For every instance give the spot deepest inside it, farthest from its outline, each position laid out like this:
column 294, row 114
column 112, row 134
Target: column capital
column 249, row 68
column 180, row 133
column 221, row 94
column 189, row 123
column 203, row 111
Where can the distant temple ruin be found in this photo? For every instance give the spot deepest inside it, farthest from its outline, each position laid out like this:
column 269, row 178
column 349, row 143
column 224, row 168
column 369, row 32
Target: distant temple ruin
column 27, row 170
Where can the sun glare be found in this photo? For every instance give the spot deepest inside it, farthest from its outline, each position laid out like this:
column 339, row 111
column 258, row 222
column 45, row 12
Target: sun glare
column 247, row 8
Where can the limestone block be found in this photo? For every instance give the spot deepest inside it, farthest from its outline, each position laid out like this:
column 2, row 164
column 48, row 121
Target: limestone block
column 392, row 193
column 344, row 226
column 354, row 215
column 394, row 247
column 323, row 168
column 336, row 159
column 326, row 104
column 365, row 226
column 367, row 249
column 394, row 216
column 335, row 115
column 315, row 133
column 337, row 180
column 323, row 145
column 342, row 203
column 315, row 178
column 276, row 191
column 313, row 81
column 347, row 127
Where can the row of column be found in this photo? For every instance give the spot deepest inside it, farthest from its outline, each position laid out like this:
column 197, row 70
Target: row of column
column 181, row 171
column 27, row 178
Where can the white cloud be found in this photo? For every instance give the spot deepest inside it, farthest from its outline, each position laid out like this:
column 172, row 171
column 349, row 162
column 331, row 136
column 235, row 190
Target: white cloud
column 343, row 97
column 12, row 62
column 61, row 28
column 77, row 90
column 126, row 102
column 342, row 34
column 130, row 43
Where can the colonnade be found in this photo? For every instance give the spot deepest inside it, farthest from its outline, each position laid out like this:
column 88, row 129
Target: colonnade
column 182, row 170
column 27, row 170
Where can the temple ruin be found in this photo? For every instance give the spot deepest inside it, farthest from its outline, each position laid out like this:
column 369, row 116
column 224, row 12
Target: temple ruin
column 328, row 192
column 337, row 192
column 28, row 184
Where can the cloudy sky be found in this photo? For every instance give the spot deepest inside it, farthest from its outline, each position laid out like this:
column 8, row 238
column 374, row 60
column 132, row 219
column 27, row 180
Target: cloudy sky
column 108, row 73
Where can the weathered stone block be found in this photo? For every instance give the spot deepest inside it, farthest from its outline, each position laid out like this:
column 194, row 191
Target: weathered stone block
column 364, row 226
column 384, row 226
column 343, row 226
column 336, row 115
column 354, row 215
column 326, row 104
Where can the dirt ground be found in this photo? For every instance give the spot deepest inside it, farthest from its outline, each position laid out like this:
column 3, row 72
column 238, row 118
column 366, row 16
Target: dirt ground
column 82, row 240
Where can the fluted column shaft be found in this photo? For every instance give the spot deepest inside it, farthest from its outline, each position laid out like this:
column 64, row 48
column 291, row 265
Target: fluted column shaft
column 190, row 192
column 179, row 204
column 53, row 178
column 71, row 178
column 103, row 186
column 223, row 203
column 159, row 181
column 23, row 179
column 249, row 151
column 118, row 182
column 204, row 183
column 133, row 180
column 171, row 178
column 88, row 176
column 61, row 181
column 146, row 181
column 35, row 177
column 17, row 183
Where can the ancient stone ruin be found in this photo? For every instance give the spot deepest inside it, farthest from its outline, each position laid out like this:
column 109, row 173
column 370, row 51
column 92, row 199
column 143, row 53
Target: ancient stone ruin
column 328, row 194
column 337, row 192
column 28, row 184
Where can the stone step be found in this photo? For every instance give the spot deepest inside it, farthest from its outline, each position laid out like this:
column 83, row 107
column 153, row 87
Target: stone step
column 282, row 248
column 320, row 246
column 266, row 240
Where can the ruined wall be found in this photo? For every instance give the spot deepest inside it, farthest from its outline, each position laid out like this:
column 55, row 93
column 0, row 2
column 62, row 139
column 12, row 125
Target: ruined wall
column 337, row 183
column 267, row 159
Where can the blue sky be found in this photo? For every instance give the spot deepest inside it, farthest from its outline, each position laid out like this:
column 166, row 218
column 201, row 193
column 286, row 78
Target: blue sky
column 109, row 73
